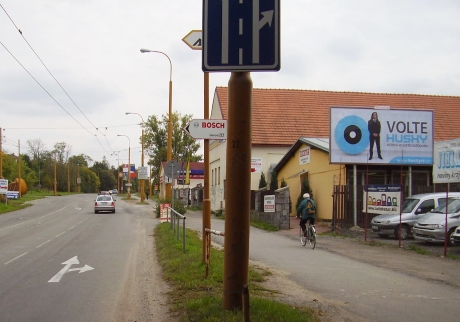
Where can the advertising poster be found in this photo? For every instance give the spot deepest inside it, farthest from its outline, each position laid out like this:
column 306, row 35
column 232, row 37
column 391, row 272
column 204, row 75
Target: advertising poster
column 382, row 199
column 304, row 155
column 256, row 165
column 446, row 167
column 381, row 136
column 164, row 216
column 269, row 203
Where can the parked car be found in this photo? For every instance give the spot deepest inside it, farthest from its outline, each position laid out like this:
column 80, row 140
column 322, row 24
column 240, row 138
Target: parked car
column 456, row 236
column 104, row 203
column 432, row 227
column 114, row 191
column 412, row 209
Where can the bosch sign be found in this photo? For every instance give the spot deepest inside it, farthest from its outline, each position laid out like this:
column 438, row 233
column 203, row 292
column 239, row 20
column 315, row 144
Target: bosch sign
column 207, row 129
column 213, row 125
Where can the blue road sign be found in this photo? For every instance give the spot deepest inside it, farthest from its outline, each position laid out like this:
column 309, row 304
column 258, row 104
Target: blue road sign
column 241, row 35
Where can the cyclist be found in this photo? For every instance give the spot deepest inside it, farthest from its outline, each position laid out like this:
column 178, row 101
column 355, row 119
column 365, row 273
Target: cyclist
column 307, row 211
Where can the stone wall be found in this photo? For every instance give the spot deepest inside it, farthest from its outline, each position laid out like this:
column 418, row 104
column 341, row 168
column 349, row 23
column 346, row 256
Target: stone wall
column 281, row 217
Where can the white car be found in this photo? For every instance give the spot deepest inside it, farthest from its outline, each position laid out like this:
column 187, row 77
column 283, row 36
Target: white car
column 456, row 236
column 104, row 203
column 432, row 227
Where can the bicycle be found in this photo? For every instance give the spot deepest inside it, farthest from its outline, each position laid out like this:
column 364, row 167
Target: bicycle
column 310, row 235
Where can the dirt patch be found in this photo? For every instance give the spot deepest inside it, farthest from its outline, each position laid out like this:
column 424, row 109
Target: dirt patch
column 144, row 296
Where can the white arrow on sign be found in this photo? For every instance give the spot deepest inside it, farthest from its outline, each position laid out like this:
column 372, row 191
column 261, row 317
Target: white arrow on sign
column 207, row 129
column 194, row 39
column 68, row 263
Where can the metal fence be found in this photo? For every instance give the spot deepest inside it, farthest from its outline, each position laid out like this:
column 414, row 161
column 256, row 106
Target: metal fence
column 343, row 206
column 175, row 224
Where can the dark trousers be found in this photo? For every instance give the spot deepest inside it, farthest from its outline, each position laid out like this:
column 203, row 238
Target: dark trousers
column 304, row 221
column 377, row 143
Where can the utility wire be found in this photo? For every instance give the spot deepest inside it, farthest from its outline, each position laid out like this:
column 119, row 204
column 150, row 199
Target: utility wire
column 51, row 74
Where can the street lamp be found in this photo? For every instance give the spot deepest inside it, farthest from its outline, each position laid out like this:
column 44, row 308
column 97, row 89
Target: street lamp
column 142, row 157
column 129, row 165
column 169, row 151
column 118, row 167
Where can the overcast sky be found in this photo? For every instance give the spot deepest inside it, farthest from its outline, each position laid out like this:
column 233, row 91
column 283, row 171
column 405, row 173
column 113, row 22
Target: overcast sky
column 91, row 47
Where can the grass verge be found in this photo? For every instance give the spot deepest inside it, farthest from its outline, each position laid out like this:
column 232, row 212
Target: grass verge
column 197, row 298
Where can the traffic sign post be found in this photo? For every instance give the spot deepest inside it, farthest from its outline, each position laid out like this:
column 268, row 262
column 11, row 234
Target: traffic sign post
column 207, row 129
column 241, row 35
column 194, row 39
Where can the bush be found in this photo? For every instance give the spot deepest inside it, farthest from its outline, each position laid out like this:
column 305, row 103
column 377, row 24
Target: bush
column 178, row 206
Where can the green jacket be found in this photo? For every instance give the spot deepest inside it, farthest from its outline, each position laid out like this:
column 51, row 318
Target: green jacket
column 302, row 209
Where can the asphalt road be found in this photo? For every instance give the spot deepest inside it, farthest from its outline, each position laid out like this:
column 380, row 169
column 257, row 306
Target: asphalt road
column 367, row 290
column 61, row 262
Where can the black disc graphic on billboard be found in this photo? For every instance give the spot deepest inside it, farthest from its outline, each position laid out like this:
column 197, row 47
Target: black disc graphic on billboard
column 352, row 134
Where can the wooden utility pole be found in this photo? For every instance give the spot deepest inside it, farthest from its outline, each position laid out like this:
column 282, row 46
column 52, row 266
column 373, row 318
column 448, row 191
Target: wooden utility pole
column 238, row 187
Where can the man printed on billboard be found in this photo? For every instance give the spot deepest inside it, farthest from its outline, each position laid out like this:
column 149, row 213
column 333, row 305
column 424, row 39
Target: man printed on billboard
column 374, row 127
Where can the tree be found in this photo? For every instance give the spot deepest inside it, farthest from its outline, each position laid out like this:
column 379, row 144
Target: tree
column 262, row 181
column 305, row 188
column 156, row 142
column 283, row 183
column 274, row 181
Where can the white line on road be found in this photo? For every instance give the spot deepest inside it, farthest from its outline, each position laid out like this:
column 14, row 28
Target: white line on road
column 59, row 234
column 43, row 243
column 15, row 258
column 34, row 218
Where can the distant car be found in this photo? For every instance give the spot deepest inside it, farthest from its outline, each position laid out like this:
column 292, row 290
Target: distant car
column 104, row 192
column 412, row 209
column 114, row 191
column 104, row 203
column 432, row 227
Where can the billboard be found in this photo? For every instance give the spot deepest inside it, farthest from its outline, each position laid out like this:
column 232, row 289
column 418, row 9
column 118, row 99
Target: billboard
column 382, row 199
column 381, row 136
column 446, row 167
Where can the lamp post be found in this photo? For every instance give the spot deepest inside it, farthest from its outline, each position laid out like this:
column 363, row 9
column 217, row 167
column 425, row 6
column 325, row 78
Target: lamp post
column 118, row 167
column 169, row 150
column 142, row 157
column 129, row 165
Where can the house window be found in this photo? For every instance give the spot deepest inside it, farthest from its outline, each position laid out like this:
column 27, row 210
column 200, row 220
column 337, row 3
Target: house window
column 212, row 177
column 218, row 177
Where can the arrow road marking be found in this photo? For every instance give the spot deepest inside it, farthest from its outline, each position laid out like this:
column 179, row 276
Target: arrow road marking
column 68, row 263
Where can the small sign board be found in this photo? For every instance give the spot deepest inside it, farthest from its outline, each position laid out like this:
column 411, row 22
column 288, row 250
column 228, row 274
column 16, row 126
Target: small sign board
column 142, row 173
column 12, row 195
column 269, row 203
column 3, row 186
column 194, row 39
column 207, row 129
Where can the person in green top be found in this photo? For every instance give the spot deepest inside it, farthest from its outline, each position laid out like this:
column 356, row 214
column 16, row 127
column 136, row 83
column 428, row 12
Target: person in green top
column 307, row 211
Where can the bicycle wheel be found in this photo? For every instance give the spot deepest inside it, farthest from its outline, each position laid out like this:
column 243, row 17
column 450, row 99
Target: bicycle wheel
column 303, row 239
column 312, row 237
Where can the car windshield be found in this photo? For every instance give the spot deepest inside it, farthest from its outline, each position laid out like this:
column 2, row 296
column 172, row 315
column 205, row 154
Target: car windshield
column 104, row 198
column 453, row 206
column 409, row 204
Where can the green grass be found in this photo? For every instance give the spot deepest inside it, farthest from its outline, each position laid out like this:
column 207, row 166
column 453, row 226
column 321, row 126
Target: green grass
column 263, row 225
column 419, row 250
column 197, row 298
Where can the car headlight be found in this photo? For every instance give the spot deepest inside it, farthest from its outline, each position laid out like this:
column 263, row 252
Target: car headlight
column 434, row 226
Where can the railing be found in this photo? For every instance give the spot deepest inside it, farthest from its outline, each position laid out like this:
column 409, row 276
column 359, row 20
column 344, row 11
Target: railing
column 208, row 246
column 175, row 226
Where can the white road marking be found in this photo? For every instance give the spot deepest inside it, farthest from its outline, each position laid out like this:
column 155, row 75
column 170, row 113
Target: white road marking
column 15, row 258
column 51, row 213
column 43, row 243
column 74, row 260
column 59, row 234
